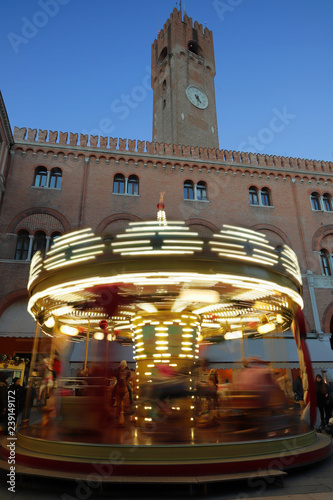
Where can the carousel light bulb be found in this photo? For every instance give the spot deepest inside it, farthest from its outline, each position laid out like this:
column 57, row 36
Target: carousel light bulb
column 98, row 335
column 267, row 327
column 69, row 330
column 50, row 322
column 233, row 335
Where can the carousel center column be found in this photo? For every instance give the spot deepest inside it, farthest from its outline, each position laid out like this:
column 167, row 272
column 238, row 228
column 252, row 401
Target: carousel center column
column 166, row 352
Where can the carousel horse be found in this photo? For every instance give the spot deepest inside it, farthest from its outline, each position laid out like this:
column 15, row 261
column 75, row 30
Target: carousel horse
column 206, row 391
column 122, row 389
column 47, row 383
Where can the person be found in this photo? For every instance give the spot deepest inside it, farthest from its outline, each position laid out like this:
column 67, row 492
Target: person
column 298, row 391
column 322, row 399
column 3, row 399
column 56, row 367
column 18, row 392
column 123, row 373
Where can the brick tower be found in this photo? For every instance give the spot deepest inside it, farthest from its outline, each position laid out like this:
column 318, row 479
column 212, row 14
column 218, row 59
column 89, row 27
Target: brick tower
column 183, row 71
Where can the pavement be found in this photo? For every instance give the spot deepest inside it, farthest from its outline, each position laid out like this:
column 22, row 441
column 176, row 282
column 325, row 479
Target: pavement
column 314, row 482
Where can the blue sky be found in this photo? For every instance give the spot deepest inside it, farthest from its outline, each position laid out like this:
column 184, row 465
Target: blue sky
column 65, row 63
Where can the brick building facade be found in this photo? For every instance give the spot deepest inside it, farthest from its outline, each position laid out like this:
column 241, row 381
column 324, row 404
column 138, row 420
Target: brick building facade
column 54, row 182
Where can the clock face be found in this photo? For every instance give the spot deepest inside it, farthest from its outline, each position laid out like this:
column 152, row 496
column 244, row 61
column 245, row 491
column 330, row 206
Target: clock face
column 197, row 97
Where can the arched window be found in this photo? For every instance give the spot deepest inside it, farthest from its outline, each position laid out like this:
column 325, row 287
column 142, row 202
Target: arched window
column 201, row 190
column 40, row 177
column 325, row 262
column 315, row 201
column 195, row 48
column 119, row 184
column 265, row 197
column 163, row 54
column 253, row 192
column 55, row 178
column 39, row 242
column 22, row 245
column 133, row 185
column 188, row 190
column 53, row 238
column 327, row 201
column 108, row 238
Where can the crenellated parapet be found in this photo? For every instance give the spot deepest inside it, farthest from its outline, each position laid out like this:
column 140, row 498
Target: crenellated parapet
column 176, row 17
column 110, row 144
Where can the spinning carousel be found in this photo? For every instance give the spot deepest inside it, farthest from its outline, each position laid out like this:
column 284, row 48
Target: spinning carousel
column 168, row 292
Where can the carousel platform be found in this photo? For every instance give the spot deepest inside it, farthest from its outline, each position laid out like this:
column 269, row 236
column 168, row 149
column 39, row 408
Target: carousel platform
column 143, row 457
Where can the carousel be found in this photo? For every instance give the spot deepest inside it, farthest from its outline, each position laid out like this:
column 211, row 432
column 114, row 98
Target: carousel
column 171, row 295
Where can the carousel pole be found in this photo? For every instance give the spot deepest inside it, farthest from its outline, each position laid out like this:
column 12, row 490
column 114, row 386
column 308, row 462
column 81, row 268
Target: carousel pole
column 87, row 345
column 242, row 346
column 107, row 354
column 32, row 365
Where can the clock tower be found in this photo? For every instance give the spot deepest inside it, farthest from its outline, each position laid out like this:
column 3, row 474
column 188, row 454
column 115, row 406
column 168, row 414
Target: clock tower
column 183, row 71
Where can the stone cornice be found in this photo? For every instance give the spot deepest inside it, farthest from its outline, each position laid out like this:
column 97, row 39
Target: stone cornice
column 5, row 121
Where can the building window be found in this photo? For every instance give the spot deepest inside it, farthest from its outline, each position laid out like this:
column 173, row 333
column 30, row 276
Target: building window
column 254, row 199
column 119, row 184
column 53, row 238
column 325, row 262
column 40, row 177
column 46, row 179
column 133, row 185
column 55, row 178
column 327, row 202
column 260, row 197
column 201, row 191
column 188, row 190
column 196, row 192
column 315, row 201
column 22, row 245
column 265, row 197
column 39, row 242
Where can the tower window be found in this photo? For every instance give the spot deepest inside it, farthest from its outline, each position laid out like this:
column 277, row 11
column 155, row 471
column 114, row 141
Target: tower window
column 40, row 177
column 188, row 190
column 315, row 201
column 325, row 262
column 119, row 184
column 22, row 245
column 133, row 185
column 194, row 47
column 163, row 54
column 327, row 202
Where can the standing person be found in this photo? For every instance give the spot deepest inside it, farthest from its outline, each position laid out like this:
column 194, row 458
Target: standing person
column 18, row 391
column 56, row 367
column 322, row 399
column 4, row 400
column 298, row 391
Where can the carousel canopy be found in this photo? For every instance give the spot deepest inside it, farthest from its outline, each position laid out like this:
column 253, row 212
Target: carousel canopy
column 236, row 283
